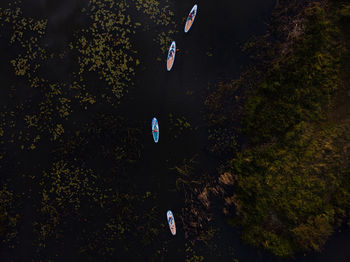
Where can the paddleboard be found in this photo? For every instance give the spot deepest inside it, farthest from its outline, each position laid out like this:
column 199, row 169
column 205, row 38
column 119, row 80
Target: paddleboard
column 171, row 222
column 155, row 130
column 190, row 20
column 171, row 56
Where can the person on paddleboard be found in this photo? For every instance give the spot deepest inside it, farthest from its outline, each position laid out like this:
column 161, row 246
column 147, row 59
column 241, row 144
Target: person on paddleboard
column 191, row 15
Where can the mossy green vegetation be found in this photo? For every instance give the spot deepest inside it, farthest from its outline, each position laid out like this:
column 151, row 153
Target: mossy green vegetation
column 297, row 190
column 292, row 181
column 299, row 82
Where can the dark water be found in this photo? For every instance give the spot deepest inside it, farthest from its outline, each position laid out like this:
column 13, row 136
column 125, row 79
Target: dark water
column 220, row 28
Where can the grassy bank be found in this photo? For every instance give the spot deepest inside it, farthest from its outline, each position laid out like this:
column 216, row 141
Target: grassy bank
column 292, row 181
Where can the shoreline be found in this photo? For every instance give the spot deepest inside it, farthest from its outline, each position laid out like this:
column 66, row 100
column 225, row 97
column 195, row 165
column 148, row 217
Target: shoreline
column 266, row 142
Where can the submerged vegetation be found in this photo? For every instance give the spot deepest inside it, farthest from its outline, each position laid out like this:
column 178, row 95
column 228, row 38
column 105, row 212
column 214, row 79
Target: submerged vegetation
column 292, row 180
column 194, row 214
column 178, row 125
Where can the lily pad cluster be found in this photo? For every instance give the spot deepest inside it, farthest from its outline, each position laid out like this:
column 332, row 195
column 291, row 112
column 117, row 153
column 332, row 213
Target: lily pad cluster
column 66, row 151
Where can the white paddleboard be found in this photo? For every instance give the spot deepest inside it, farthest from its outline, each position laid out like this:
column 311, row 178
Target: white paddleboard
column 190, row 18
column 171, row 222
column 171, row 56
